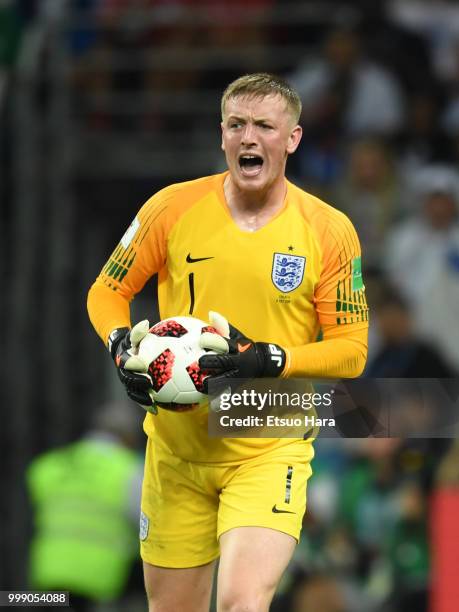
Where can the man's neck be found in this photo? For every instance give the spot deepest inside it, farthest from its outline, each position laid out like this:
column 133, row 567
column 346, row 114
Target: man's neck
column 252, row 210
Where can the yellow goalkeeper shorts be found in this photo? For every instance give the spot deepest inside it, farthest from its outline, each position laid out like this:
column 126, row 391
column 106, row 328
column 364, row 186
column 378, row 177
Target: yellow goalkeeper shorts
column 187, row 506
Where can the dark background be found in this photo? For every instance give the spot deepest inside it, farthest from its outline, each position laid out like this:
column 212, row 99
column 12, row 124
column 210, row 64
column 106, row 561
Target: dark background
column 104, row 102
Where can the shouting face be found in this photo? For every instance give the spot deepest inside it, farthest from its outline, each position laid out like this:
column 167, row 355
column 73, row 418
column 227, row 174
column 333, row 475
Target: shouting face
column 258, row 133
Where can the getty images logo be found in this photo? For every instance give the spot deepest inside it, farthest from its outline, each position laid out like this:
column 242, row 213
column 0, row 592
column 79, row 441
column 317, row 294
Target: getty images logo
column 276, row 355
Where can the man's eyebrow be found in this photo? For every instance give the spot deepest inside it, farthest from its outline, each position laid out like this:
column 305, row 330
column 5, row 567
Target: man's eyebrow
column 255, row 119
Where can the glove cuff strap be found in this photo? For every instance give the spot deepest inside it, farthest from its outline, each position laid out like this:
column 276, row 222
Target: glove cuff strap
column 274, row 362
column 115, row 337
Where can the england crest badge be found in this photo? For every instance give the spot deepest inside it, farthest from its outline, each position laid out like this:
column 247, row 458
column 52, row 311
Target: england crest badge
column 144, row 525
column 288, row 271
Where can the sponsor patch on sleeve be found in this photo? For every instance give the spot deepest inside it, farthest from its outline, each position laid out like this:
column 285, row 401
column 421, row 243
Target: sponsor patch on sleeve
column 130, row 233
column 357, row 280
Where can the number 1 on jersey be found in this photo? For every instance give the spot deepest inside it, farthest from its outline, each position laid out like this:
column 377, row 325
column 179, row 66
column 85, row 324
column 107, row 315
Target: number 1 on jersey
column 191, row 286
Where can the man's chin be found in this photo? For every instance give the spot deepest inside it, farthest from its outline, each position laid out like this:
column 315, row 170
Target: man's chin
column 250, row 183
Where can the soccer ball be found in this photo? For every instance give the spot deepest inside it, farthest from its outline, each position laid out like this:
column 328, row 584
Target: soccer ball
column 171, row 350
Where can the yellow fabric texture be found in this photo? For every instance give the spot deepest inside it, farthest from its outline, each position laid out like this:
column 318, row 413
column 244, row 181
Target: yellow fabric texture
column 239, row 274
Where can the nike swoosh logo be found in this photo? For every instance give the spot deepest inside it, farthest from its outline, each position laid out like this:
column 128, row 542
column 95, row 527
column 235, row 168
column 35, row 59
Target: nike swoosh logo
column 277, row 511
column 190, row 259
column 243, row 347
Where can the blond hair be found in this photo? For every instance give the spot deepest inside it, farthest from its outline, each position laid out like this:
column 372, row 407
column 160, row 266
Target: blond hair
column 262, row 84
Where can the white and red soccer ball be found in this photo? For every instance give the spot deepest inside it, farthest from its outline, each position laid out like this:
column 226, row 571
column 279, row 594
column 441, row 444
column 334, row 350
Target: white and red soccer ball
column 171, row 350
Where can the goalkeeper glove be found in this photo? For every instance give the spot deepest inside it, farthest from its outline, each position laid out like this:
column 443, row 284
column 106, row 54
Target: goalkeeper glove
column 123, row 344
column 243, row 359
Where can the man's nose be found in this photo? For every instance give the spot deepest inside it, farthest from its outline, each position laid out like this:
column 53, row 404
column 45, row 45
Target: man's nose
column 248, row 135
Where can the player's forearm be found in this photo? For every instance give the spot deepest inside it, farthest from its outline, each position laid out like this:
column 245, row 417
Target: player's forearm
column 338, row 357
column 107, row 310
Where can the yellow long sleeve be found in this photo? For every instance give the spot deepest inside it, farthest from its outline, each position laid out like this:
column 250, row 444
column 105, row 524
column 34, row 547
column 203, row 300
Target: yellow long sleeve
column 341, row 354
column 107, row 310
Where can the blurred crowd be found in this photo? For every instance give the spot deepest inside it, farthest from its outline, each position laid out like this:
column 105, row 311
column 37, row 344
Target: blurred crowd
column 368, row 543
column 379, row 83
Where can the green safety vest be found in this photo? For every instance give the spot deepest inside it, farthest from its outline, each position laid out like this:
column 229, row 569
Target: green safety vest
column 84, row 541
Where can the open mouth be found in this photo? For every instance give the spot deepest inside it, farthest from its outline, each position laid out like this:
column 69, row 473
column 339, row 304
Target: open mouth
column 250, row 165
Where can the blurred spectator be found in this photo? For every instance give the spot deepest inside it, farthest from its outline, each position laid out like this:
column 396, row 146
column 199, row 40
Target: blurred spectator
column 402, row 50
column 235, row 25
column 83, row 34
column 116, row 46
column 450, row 115
column 342, row 91
column 344, row 95
column 437, row 21
column 384, row 507
column 369, row 502
column 448, row 470
column 193, row 38
column 86, row 500
column 422, row 260
column 370, row 194
column 407, row 551
column 401, row 353
column 422, row 140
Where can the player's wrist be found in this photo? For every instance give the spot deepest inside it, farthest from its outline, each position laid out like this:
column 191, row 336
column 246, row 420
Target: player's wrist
column 288, row 362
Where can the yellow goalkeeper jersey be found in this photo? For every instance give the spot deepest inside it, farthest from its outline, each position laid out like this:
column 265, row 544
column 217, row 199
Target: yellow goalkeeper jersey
column 281, row 283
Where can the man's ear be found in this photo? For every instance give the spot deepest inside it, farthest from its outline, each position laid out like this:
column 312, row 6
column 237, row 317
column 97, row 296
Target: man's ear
column 294, row 139
column 223, row 144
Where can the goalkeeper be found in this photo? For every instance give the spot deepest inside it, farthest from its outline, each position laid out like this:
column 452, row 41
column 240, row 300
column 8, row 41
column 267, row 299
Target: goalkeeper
column 280, row 265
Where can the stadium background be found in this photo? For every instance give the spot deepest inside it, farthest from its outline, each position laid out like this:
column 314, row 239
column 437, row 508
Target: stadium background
column 105, row 101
